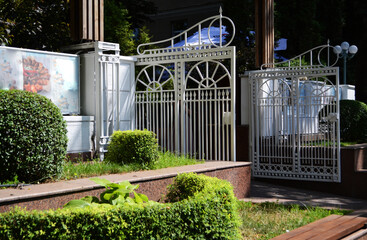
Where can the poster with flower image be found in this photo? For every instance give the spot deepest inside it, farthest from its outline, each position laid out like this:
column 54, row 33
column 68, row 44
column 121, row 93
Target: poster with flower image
column 53, row 75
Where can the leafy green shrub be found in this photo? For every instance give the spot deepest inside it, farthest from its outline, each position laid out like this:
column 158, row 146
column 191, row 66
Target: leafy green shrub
column 136, row 146
column 353, row 121
column 209, row 213
column 33, row 138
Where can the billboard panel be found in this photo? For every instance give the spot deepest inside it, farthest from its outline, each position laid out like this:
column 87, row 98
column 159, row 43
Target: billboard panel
column 53, row 75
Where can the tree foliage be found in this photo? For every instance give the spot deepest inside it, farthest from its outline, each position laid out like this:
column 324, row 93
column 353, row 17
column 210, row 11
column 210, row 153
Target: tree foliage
column 42, row 24
column 242, row 14
column 124, row 23
column 307, row 24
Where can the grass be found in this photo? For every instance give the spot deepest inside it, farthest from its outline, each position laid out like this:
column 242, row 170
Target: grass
column 268, row 220
column 97, row 168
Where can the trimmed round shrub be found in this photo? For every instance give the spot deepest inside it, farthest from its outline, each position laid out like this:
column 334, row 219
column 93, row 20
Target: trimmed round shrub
column 33, row 137
column 353, row 121
column 138, row 146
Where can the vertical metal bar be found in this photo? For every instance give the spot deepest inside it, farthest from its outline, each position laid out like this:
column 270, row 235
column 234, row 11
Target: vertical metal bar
column 140, row 111
column 153, row 102
column 174, row 123
column 210, row 125
column 178, row 99
column 169, row 122
column 219, row 117
column 258, row 122
column 181, row 91
column 195, row 122
column 163, row 119
column 298, row 124
column 191, row 124
column 215, row 102
column 199, row 126
column 117, row 67
column 145, row 111
column 105, row 100
column 337, row 126
column 223, row 124
column 161, row 105
column 137, row 112
column 150, row 118
column 186, row 122
column 202, row 124
column 113, row 99
column 158, row 119
column 228, row 126
column 206, row 126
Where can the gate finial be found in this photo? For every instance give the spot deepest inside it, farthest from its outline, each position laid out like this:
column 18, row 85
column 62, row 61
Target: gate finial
column 220, row 11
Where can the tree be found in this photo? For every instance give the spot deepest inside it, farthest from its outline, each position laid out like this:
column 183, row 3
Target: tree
column 296, row 21
column 309, row 23
column 242, row 14
column 354, row 32
column 127, row 30
column 42, row 24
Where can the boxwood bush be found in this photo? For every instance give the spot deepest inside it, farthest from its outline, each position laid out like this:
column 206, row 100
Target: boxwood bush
column 33, row 136
column 208, row 211
column 138, row 146
column 353, row 121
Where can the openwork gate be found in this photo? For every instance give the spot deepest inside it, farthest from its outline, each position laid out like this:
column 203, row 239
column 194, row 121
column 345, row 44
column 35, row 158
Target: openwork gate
column 185, row 93
column 295, row 119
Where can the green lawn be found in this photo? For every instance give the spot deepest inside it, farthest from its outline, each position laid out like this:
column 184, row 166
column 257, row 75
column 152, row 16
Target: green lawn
column 93, row 168
column 268, row 220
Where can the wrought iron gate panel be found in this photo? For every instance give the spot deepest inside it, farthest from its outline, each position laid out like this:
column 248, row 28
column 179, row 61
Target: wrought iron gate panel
column 186, row 96
column 295, row 123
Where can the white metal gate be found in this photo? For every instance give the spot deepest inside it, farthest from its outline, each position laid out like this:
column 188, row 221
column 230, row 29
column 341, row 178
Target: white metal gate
column 186, row 94
column 295, row 120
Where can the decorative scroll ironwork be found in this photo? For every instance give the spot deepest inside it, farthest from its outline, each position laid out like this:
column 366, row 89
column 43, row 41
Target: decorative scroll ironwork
column 188, row 47
column 318, row 57
column 186, row 95
column 295, row 122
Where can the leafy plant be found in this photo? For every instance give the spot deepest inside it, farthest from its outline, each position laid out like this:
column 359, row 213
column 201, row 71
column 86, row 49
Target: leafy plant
column 33, row 138
column 123, row 26
column 136, row 146
column 35, row 24
column 115, row 194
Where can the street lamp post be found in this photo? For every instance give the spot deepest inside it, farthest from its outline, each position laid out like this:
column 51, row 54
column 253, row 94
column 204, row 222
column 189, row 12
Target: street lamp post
column 346, row 52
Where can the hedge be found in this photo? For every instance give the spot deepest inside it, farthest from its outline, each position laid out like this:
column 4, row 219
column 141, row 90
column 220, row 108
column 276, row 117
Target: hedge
column 208, row 213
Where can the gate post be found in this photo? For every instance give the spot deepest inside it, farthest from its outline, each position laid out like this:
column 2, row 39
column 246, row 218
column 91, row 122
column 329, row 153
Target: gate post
column 107, row 90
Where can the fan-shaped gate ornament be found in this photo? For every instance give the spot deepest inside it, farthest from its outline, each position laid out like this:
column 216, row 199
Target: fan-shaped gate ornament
column 208, row 74
column 154, row 78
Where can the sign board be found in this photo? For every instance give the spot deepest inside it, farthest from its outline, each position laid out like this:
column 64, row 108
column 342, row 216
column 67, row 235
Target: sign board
column 53, row 75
